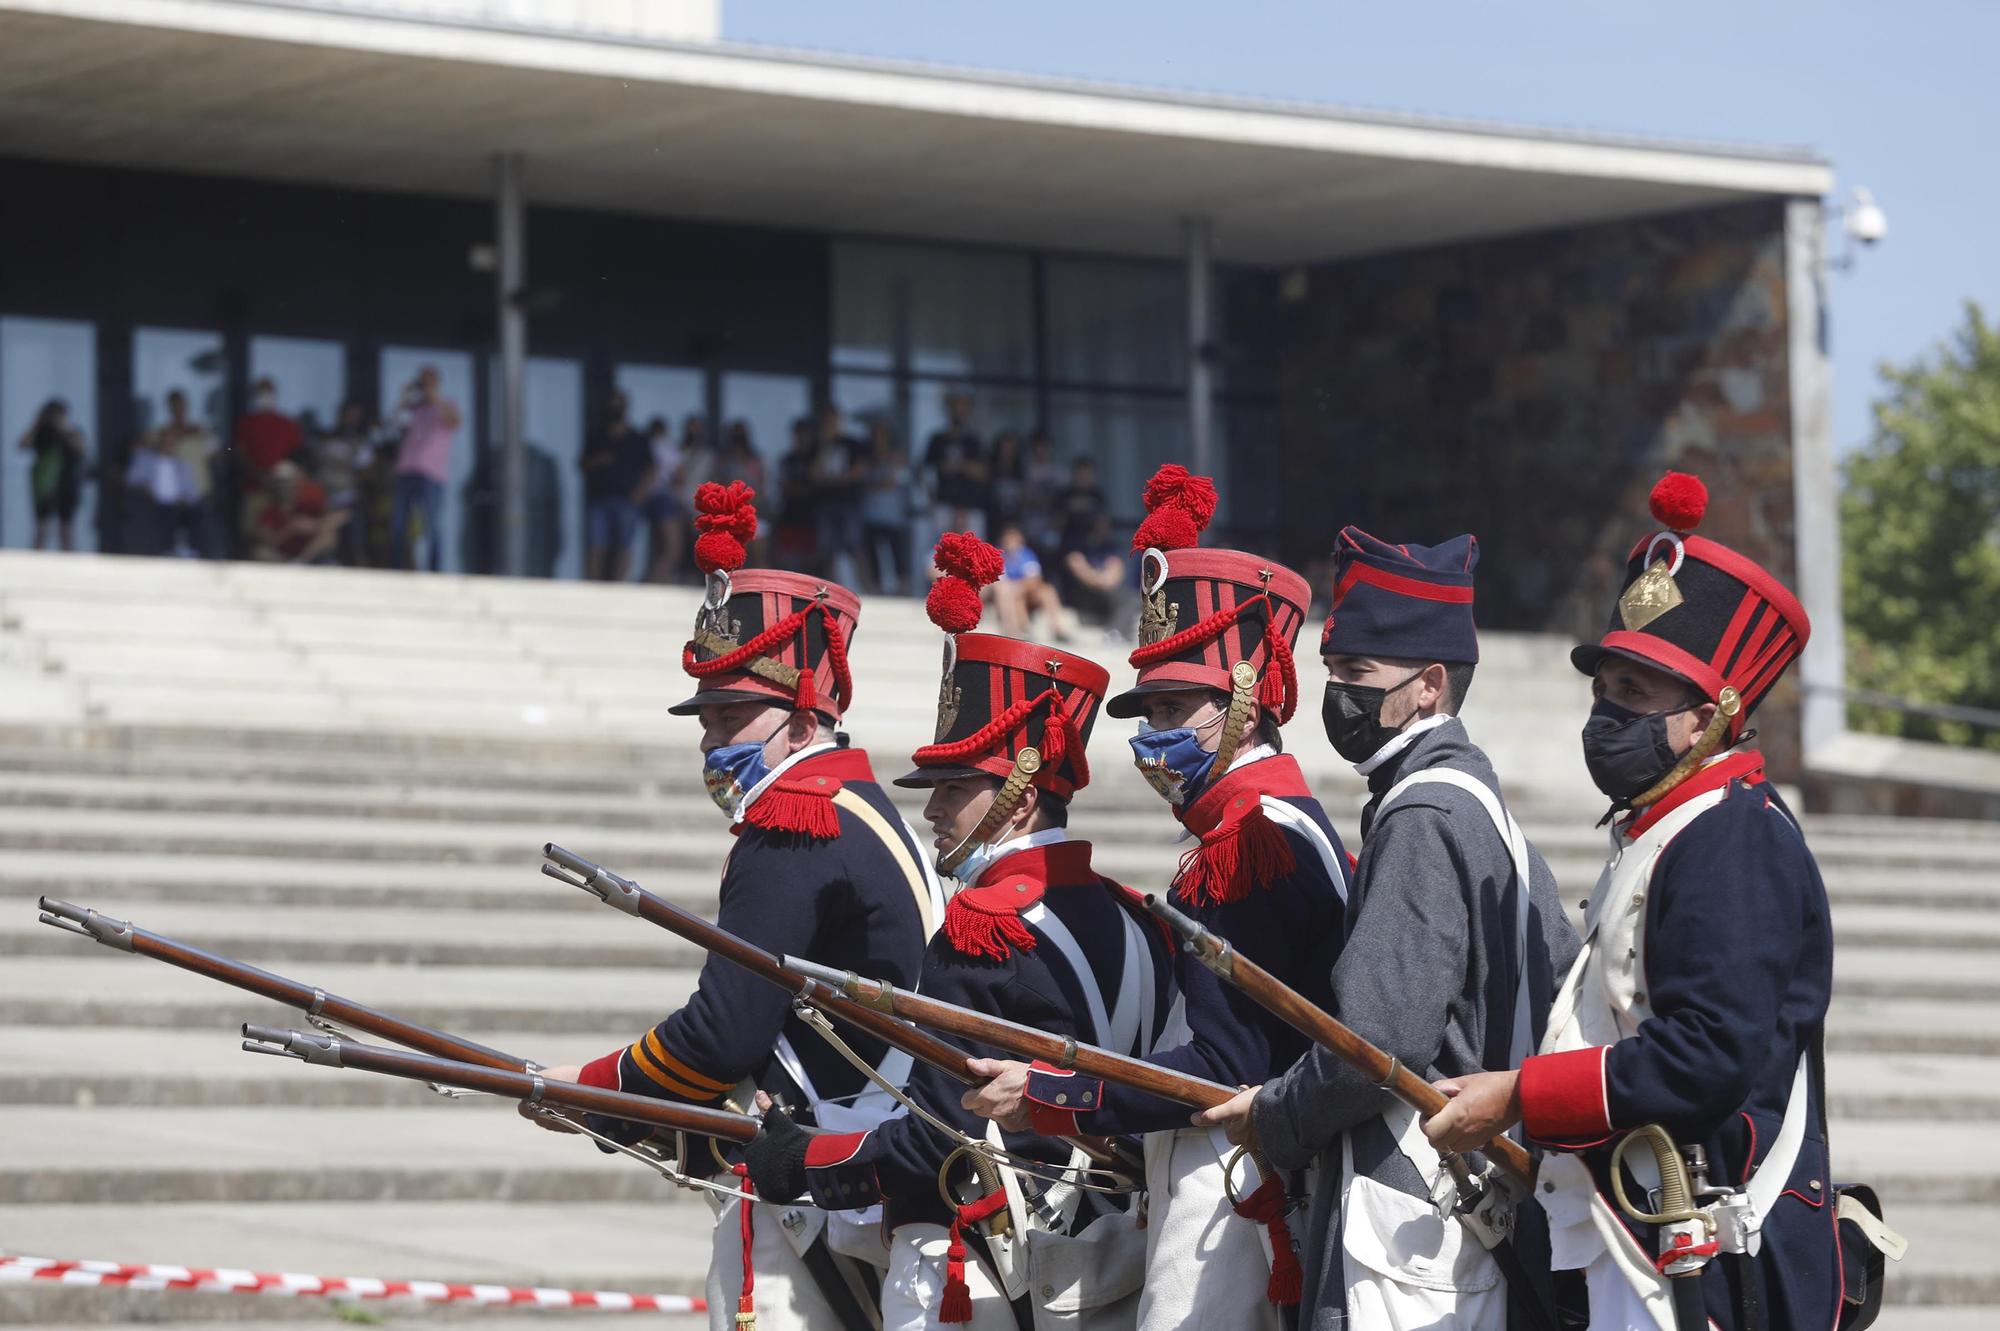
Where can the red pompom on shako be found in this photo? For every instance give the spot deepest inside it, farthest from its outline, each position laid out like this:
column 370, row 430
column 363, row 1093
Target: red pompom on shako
column 727, row 521
column 967, row 564
column 1679, row 500
column 1179, row 507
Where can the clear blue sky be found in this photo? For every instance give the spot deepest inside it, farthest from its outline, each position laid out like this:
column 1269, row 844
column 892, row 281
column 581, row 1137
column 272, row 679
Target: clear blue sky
column 1903, row 97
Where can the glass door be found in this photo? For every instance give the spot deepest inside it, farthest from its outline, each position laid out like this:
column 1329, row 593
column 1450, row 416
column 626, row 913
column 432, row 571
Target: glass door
column 45, row 364
column 673, row 397
column 552, row 436
column 310, row 375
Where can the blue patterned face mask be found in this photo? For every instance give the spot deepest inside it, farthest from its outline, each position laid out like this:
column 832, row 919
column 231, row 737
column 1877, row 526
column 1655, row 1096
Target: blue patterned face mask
column 1173, row 761
column 733, row 771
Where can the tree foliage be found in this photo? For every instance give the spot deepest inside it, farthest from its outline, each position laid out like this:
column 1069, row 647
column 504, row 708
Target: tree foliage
column 1920, row 527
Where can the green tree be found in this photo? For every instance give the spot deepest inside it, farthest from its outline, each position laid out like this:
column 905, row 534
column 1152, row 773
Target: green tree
column 1920, row 530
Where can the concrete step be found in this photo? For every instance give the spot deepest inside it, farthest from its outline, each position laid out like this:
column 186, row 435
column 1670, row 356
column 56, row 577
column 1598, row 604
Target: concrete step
column 629, row 1247
column 449, row 1151
column 614, row 1002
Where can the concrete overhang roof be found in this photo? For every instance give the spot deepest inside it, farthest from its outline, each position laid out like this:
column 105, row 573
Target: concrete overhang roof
column 341, row 94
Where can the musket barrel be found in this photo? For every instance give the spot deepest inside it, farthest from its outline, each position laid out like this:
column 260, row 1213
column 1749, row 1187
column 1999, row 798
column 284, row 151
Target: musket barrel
column 1331, row 1034
column 309, row 999
column 529, row 1087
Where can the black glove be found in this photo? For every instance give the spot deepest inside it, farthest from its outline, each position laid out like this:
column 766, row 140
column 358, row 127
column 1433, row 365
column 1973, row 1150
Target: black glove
column 777, row 1157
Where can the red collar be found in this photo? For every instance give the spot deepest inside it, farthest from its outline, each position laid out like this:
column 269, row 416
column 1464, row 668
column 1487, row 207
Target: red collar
column 1063, row 864
column 1748, row 767
column 1236, row 793
column 841, row 764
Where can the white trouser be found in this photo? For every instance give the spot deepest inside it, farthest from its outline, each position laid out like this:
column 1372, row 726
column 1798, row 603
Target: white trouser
column 914, row 1288
column 1206, row 1268
column 787, row 1298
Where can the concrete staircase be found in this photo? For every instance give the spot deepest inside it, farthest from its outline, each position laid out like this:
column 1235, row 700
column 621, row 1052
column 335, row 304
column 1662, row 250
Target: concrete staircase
column 346, row 777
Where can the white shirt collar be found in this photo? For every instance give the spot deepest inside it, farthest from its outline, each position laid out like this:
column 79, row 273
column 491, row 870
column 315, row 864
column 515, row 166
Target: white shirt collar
column 750, row 795
column 1401, row 740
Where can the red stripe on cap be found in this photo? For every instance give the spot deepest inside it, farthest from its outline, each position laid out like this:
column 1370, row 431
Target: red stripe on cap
column 1745, row 608
column 1401, row 585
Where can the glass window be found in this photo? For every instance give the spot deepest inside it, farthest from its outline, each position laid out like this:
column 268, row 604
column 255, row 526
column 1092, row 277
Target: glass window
column 552, row 428
column 932, row 310
column 455, row 376
column 1114, row 323
column 310, row 375
column 766, row 404
column 1127, row 436
column 44, row 361
column 164, row 359
column 673, row 394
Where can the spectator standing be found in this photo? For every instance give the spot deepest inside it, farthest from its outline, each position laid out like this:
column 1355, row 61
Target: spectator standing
column 375, row 507
column 264, row 436
column 1082, row 503
column 1022, row 590
column 885, row 508
column 1100, row 581
column 160, row 497
column 838, row 473
column 955, row 470
column 1006, row 478
column 430, row 423
column 339, row 458
column 740, row 461
column 55, row 476
column 699, row 457
column 195, row 445
column 665, row 518
column 617, row 465
column 1042, row 482
column 798, row 507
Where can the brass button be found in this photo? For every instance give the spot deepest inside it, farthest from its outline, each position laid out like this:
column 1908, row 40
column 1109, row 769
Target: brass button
column 1638, row 898
column 1638, row 997
column 822, row 781
column 1548, row 1187
column 1062, row 1098
column 1020, row 887
column 1814, row 1185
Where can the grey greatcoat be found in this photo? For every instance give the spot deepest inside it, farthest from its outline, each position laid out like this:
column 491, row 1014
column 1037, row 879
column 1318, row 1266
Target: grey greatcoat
column 1427, row 973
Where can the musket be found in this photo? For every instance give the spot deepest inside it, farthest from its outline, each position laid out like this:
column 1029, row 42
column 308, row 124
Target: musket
column 1377, row 1065
column 530, row 1088
column 615, row 890
column 317, row 1004
column 1021, row 1041
column 1484, row 1210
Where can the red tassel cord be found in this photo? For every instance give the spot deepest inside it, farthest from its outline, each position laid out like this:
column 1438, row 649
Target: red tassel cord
column 1279, row 688
column 746, row 1305
column 1059, row 738
column 980, row 933
column 796, row 807
column 956, row 1305
column 1233, row 858
column 781, row 632
column 1266, row 1206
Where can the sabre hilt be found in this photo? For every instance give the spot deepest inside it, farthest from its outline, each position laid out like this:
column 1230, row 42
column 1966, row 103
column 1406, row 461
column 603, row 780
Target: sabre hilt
column 612, row 889
column 306, row 1046
column 1209, row 948
column 86, row 923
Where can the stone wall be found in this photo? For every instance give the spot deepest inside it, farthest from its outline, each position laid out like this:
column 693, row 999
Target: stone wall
column 1530, row 390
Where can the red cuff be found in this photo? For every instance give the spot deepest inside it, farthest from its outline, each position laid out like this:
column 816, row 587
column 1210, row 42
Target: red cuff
column 601, row 1072
column 1563, row 1096
column 833, row 1148
column 1053, row 1122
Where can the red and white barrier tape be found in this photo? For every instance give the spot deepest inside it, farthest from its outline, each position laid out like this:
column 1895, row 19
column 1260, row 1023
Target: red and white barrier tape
column 226, row 1281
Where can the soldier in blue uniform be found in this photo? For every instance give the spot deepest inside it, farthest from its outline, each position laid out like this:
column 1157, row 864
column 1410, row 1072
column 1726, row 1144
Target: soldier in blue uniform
column 823, row 866
column 1699, row 1004
column 1264, row 869
column 1034, row 935
column 1455, row 935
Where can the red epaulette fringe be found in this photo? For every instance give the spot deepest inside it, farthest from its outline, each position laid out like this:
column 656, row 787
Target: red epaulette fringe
column 797, row 807
column 981, row 933
column 1236, row 856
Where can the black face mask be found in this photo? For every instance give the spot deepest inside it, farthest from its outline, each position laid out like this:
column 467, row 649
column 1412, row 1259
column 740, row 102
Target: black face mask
column 1627, row 751
column 1352, row 715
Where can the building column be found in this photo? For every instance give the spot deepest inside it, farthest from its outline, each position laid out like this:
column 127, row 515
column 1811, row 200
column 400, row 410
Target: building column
column 511, row 233
column 1200, row 258
column 1815, row 479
